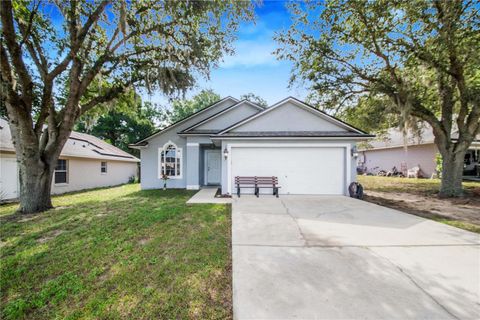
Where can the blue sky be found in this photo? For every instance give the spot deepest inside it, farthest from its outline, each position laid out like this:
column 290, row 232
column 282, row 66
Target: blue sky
column 253, row 67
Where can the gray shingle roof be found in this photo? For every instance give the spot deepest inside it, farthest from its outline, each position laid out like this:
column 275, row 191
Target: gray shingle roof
column 394, row 138
column 199, row 131
column 79, row 145
column 144, row 141
column 192, row 129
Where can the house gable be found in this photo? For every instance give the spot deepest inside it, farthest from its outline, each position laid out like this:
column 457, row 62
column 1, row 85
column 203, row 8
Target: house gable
column 197, row 117
column 291, row 115
column 240, row 111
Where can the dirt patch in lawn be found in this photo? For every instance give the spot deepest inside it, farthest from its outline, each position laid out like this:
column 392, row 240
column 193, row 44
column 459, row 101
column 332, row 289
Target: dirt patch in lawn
column 461, row 209
column 50, row 236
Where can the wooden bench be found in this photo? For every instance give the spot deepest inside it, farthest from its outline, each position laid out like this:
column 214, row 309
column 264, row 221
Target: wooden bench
column 245, row 182
column 267, row 182
column 257, row 183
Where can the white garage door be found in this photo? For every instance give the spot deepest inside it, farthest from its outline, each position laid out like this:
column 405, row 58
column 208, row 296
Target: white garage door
column 300, row 170
column 8, row 178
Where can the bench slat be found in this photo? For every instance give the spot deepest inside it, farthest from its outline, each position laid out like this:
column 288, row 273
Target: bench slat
column 257, row 183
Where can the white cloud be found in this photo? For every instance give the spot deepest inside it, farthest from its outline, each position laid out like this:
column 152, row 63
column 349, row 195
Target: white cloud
column 250, row 53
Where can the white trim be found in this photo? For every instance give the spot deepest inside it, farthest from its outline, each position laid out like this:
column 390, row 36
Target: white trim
column 223, row 112
column 346, row 146
column 205, row 182
column 131, row 146
column 193, row 187
column 189, row 134
column 168, row 143
column 193, row 144
column 397, row 146
column 301, row 145
column 287, row 138
column 187, row 118
column 101, row 167
column 178, row 154
column 67, row 173
column 229, row 169
column 205, row 165
column 298, row 103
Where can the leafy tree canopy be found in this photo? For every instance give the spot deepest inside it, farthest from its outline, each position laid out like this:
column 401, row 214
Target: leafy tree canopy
column 182, row 108
column 127, row 122
column 61, row 59
column 419, row 57
column 255, row 98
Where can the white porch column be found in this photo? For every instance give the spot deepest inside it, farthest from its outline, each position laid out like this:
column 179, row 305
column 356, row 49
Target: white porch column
column 193, row 165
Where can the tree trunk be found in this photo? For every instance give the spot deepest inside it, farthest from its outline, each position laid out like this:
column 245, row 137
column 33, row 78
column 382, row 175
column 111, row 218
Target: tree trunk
column 452, row 173
column 35, row 184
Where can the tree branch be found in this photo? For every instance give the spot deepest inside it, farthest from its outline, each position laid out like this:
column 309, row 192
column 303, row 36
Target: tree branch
column 109, row 95
column 26, row 31
column 15, row 52
column 36, row 53
column 79, row 38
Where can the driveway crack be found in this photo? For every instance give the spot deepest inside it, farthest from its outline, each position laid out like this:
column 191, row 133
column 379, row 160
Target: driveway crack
column 414, row 282
column 304, row 238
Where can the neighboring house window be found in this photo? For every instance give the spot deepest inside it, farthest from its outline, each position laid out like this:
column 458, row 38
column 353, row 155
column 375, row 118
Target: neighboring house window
column 103, row 167
column 170, row 157
column 61, row 171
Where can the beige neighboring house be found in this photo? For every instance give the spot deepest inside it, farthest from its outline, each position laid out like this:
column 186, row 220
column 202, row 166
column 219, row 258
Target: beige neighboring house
column 85, row 162
column 393, row 149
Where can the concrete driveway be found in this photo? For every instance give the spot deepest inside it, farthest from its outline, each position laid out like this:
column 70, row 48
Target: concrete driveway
column 327, row 257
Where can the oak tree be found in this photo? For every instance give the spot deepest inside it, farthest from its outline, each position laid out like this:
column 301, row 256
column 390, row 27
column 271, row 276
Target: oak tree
column 181, row 108
column 60, row 59
column 421, row 56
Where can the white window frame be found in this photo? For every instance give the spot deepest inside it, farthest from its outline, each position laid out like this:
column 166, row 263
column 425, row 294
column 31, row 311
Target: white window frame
column 66, row 174
column 101, row 167
column 178, row 155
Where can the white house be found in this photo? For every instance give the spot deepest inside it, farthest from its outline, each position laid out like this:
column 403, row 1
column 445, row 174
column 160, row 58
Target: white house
column 309, row 151
column 85, row 162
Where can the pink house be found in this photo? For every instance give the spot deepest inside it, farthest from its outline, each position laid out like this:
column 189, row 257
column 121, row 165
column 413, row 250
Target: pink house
column 393, row 149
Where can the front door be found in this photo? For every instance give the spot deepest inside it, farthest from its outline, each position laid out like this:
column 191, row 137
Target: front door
column 213, row 166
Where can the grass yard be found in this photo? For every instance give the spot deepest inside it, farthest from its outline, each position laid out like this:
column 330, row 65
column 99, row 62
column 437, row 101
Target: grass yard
column 117, row 253
column 420, row 197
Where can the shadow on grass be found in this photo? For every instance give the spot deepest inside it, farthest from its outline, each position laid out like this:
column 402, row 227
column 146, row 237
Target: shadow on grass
column 134, row 247
column 152, row 205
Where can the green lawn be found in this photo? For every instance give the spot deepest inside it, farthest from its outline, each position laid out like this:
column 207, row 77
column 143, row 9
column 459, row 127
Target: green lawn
column 117, row 253
column 413, row 186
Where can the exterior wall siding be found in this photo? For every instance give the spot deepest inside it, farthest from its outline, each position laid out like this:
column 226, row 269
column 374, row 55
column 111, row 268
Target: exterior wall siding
column 288, row 117
column 386, row 159
column 230, row 117
column 85, row 174
column 149, row 162
column 149, row 155
column 82, row 174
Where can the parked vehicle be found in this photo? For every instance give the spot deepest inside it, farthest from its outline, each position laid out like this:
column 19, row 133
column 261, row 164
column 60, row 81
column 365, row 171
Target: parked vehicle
column 471, row 162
